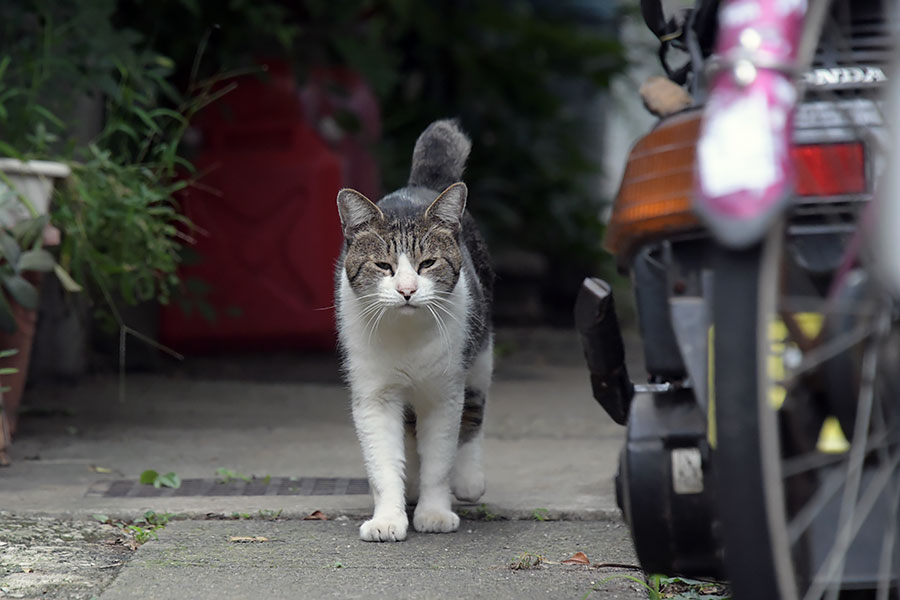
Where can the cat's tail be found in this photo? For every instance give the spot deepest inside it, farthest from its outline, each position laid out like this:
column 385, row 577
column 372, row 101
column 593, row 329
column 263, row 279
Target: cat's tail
column 439, row 157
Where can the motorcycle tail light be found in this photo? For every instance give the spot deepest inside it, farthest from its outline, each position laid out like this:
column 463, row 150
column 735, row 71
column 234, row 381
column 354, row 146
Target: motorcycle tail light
column 654, row 198
column 829, row 169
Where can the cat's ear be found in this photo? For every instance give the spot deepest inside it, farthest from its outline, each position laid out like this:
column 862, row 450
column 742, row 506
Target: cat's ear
column 355, row 209
column 450, row 205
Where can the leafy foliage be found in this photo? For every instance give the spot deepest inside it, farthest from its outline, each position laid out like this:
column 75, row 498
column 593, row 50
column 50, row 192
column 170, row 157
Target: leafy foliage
column 517, row 73
column 169, row 480
column 140, row 530
column 121, row 229
column 225, row 475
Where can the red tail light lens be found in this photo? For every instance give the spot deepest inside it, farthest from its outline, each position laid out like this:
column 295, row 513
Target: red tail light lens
column 829, row 169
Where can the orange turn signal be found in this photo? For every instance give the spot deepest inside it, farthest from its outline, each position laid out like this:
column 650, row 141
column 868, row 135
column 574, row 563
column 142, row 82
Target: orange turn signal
column 654, row 198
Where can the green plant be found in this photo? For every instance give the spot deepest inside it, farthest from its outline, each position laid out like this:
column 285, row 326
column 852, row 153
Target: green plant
column 140, row 530
column 269, row 515
column 21, row 254
column 227, row 475
column 155, row 519
column 6, row 371
column 122, row 233
column 479, row 513
column 671, row 588
column 151, row 477
column 540, row 514
column 519, row 74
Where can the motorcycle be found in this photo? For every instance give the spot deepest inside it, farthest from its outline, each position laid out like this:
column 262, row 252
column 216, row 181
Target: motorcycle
column 764, row 445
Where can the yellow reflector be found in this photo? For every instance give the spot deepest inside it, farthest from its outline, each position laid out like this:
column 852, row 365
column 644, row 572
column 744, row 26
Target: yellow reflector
column 832, row 439
column 810, row 324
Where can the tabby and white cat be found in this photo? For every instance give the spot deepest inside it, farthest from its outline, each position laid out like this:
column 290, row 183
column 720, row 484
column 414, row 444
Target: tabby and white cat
column 413, row 298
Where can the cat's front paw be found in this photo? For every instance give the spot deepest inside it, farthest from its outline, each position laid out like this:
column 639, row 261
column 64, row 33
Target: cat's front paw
column 384, row 529
column 435, row 520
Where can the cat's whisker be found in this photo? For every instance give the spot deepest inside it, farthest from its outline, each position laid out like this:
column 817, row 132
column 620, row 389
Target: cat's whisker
column 377, row 319
column 366, row 312
column 446, row 310
column 445, row 336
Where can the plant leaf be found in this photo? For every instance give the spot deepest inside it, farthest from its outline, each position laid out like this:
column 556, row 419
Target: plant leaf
column 316, row 515
column 8, row 150
column 579, row 558
column 29, row 230
column 10, row 248
column 170, row 480
column 21, row 291
column 36, row 260
column 69, row 284
column 149, row 476
column 7, row 320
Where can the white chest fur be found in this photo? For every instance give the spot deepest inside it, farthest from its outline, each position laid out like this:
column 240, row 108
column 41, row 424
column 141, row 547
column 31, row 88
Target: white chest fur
column 404, row 347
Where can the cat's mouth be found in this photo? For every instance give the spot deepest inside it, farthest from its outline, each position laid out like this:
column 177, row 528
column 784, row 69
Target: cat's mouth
column 407, row 309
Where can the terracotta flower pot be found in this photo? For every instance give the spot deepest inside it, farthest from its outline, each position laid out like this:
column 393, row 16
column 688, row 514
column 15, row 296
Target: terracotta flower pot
column 21, row 340
column 33, row 181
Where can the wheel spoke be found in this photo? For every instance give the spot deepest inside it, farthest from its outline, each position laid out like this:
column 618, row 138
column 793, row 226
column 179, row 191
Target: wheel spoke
column 810, row 461
column 807, row 515
column 888, row 561
column 858, row 449
column 827, row 351
column 824, row 579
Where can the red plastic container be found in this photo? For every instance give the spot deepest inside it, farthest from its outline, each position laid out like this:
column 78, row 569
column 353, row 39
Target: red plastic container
column 269, row 230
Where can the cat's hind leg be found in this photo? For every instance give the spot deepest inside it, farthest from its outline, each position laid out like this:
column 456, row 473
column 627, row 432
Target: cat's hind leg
column 467, row 480
column 412, row 455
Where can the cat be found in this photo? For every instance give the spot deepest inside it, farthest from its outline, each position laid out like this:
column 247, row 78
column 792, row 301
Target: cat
column 413, row 297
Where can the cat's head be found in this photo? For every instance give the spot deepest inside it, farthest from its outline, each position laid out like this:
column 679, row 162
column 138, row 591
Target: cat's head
column 407, row 260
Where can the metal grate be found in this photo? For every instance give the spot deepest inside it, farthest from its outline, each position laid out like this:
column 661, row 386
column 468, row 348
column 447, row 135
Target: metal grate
column 274, row 486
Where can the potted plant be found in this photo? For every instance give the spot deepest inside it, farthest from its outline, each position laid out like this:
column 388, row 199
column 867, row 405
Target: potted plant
column 114, row 218
column 25, row 189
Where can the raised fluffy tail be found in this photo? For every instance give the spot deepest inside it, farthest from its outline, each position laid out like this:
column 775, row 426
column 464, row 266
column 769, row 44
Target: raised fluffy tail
column 439, row 157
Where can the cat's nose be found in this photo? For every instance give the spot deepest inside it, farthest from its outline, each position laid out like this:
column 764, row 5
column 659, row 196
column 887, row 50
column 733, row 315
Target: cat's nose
column 406, row 291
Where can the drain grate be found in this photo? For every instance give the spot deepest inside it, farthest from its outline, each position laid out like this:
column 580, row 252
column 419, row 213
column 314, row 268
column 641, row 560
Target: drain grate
column 273, row 486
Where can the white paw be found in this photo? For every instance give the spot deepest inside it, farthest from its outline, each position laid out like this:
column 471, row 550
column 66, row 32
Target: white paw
column 468, row 485
column 435, row 520
column 384, row 529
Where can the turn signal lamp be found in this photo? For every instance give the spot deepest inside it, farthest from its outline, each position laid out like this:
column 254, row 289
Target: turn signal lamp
column 654, row 198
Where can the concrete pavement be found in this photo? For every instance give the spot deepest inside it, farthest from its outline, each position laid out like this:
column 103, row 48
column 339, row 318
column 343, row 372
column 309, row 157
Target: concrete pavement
column 550, row 453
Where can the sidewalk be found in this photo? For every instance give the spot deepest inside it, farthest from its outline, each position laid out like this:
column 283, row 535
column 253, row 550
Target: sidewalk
column 550, row 452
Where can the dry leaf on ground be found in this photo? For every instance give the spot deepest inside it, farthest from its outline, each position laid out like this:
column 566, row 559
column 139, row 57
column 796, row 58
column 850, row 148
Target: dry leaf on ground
column 316, row 516
column 579, row 558
column 243, row 539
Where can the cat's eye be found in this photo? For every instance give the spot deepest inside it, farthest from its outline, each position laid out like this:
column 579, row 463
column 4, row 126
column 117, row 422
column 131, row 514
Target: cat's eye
column 426, row 263
column 385, row 266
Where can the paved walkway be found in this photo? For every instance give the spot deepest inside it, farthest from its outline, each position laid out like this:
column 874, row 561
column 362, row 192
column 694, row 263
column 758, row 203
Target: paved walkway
column 550, row 453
